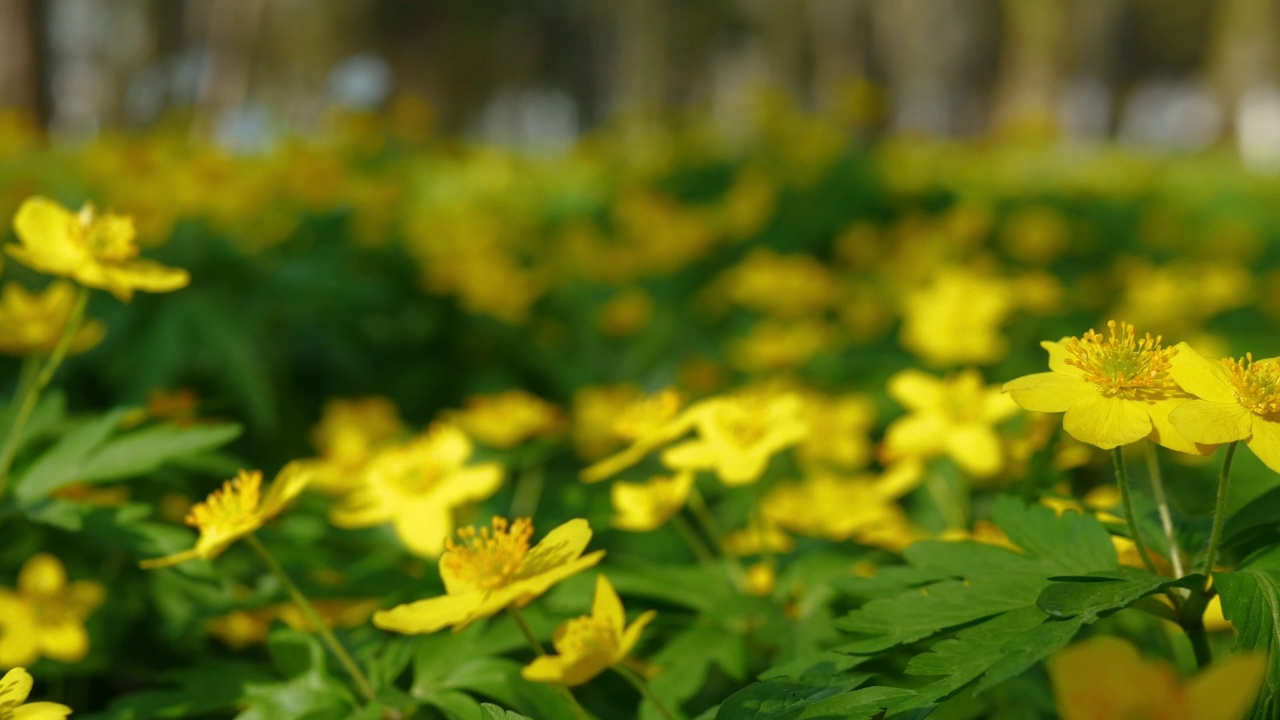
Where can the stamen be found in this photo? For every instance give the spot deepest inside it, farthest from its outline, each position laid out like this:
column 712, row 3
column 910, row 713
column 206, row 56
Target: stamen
column 235, row 501
column 1120, row 363
column 492, row 557
column 1257, row 385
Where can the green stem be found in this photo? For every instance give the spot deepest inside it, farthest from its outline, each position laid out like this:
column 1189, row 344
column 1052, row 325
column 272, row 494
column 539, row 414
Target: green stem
column 31, row 393
column 1162, row 505
column 309, row 610
column 564, row 692
column 1122, row 481
column 1191, row 618
column 640, row 685
column 1219, row 510
column 698, row 506
column 528, row 491
column 695, row 543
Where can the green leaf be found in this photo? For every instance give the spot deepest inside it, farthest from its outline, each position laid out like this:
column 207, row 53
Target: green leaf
column 493, row 712
column 60, row 464
column 809, row 699
column 687, row 659
column 1251, row 601
column 1071, row 543
column 1097, row 593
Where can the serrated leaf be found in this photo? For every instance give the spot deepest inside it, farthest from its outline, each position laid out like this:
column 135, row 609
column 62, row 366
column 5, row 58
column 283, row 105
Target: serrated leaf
column 493, row 712
column 1251, row 601
column 1071, row 543
column 687, row 658
column 796, row 699
column 1102, row 592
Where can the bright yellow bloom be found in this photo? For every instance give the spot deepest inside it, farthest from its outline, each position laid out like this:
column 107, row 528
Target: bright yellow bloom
column 97, row 251
column 649, row 423
column 235, row 510
column 641, row 507
column 863, row 507
column 589, row 645
column 507, row 419
column 416, row 486
column 15, row 686
column 739, row 434
column 349, row 433
column 844, row 424
column 1115, row 389
column 1239, row 400
column 788, row 286
column 1104, row 678
column 33, row 322
column 45, row 617
column 954, row 416
column 491, row 570
column 957, row 318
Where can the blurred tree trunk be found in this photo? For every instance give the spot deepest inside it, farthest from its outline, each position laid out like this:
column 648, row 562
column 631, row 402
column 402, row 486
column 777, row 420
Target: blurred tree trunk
column 19, row 56
column 1242, row 50
column 839, row 53
column 228, row 29
column 1031, row 60
column 641, row 32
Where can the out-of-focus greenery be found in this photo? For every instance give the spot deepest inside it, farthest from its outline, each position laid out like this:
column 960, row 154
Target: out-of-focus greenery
column 870, row 294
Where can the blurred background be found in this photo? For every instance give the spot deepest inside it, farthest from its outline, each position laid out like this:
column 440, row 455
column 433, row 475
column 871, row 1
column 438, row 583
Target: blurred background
column 535, row 74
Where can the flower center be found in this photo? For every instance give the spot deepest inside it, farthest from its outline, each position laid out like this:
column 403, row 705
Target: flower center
column 586, row 636
column 107, row 237
column 1257, row 384
column 490, row 558
column 236, row 502
column 1120, row 363
column 647, row 416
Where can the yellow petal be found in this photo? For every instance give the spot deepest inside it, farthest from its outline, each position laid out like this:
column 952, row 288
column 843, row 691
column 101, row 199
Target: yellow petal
column 1049, row 392
column 288, row 484
column 170, row 560
column 546, row 669
column 41, row 711
column 915, row 436
column 632, row 634
column 145, row 275
column 19, row 644
column 66, row 642
column 43, row 574
column 430, row 615
column 1058, row 358
column 560, row 546
column 1227, row 689
column 1265, row 442
column 48, row 233
column 689, row 455
column 915, row 389
column 423, row 526
column 1164, row 432
column 469, row 484
column 1107, row 421
column 607, row 605
column 1105, row 679
column 1212, row 423
column 976, row 449
column 1203, row 377
column 15, row 686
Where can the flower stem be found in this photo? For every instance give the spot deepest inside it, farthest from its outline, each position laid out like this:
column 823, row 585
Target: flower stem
column 30, row 392
column 309, row 610
column 564, row 692
column 1122, row 481
column 640, row 685
column 698, row 506
column 695, row 543
column 1219, row 510
column 1162, row 505
column 528, row 491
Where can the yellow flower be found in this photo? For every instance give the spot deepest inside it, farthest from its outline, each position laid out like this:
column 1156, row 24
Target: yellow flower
column 863, row 507
column 15, row 686
column 774, row 345
column 33, row 322
column 45, row 617
column 1239, row 400
column 491, row 570
column 739, row 434
column 349, row 433
column 97, row 251
column 594, row 410
column 235, row 510
column 845, row 423
column 242, row 628
column 640, row 507
column 506, row 419
column 1115, row 389
column 416, row 487
column 590, row 644
column 954, row 416
column 648, row 422
column 957, row 318
column 1104, row 678
column 788, row 286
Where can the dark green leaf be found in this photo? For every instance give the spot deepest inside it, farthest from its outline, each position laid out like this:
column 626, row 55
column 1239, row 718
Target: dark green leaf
column 1096, row 593
column 1070, row 543
column 1251, row 601
column 809, row 699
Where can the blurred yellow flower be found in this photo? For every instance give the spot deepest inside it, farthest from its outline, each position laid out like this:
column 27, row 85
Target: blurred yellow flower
column 1104, row 678
column 841, row 430
column 593, row 413
column 953, row 416
column 15, row 686
column 349, row 433
column 33, row 322
column 507, row 419
column 492, row 569
column 626, row 313
column 235, row 510
column 45, row 616
column 762, row 578
column 641, row 507
column 1238, row 400
column 589, row 645
column 648, row 422
column 241, row 628
column 788, row 286
column 416, row 486
column 97, row 251
column 739, row 434
column 1115, row 389
column 861, row 507
column 771, row 346
column 957, row 318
